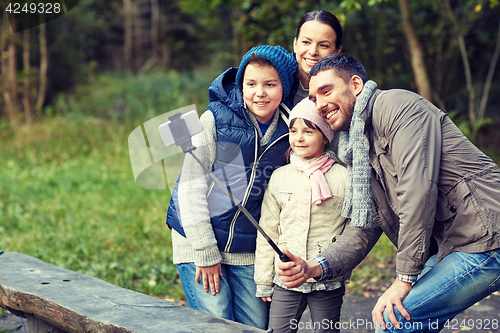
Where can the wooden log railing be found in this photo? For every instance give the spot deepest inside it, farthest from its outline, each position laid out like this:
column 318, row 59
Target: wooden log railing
column 57, row 300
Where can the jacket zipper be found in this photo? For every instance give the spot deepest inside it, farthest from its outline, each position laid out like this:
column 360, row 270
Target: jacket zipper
column 252, row 176
column 245, row 199
column 210, row 188
column 247, row 193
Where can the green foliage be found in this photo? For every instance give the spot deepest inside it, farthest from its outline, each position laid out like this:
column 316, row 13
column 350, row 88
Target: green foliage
column 377, row 271
column 119, row 96
column 12, row 330
column 255, row 22
column 465, row 126
column 68, row 194
column 79, row 207
column 68, row 197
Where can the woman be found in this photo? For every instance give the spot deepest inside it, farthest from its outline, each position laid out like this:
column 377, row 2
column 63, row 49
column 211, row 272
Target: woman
column 318, row 34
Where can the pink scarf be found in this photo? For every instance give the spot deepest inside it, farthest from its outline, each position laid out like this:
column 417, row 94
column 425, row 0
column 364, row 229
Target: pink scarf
column 315, row 171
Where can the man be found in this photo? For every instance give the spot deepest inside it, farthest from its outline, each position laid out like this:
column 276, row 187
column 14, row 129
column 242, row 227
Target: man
column 435, row 195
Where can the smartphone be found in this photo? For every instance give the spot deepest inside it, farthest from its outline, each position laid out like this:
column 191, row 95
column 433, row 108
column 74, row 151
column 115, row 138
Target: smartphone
column 193, row 126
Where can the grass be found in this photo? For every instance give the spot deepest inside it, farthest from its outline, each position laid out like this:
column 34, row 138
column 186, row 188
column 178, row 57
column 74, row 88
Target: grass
column 68, row 197
column 68, row 194
column 377, row 271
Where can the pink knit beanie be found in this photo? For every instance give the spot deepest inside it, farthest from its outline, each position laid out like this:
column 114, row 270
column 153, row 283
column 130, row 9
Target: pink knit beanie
column 306, row 109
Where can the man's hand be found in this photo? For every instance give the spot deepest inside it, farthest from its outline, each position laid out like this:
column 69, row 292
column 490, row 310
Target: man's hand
column 210, row 277
column 295, row 272
column 392, row 296
column 267, row 298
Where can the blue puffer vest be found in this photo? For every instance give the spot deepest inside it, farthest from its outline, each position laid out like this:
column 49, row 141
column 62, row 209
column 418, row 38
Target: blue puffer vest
column 241, row 163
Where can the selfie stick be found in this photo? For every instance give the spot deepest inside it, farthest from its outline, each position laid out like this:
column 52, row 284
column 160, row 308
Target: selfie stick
column 182, row 139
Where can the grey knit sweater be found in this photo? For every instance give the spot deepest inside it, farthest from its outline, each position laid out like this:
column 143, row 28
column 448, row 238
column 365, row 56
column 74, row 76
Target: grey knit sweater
column 200, row 245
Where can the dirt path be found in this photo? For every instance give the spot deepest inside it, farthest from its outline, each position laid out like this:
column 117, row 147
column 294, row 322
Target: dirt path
column 356, row 316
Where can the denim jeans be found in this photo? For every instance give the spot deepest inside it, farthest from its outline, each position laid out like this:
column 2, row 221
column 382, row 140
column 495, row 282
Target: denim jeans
column 447, row 288
column 236, row 300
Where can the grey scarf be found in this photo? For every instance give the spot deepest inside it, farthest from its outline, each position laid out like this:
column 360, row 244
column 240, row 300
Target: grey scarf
column 353, row 150
column 264, row 139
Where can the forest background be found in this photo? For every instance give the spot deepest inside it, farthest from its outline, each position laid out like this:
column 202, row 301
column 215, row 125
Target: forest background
column 73, row 89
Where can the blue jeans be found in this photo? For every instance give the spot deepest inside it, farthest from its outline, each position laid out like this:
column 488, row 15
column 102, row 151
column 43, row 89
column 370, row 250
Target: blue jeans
column 236, row 300
column 447, row 288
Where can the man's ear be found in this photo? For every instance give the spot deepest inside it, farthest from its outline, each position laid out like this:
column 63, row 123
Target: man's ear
column 357, row 84
column 294, row 43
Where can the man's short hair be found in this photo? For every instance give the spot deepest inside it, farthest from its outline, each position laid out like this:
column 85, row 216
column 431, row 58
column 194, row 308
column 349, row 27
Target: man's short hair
column 343, row 65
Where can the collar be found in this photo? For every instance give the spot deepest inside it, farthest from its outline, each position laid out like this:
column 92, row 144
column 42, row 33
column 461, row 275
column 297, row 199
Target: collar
column 367, row 113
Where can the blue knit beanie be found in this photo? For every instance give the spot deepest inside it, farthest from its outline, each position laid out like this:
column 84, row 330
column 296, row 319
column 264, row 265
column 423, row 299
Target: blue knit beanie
column 281, row 60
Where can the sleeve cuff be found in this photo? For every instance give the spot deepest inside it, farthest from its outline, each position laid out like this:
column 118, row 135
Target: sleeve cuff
column 264, row 290
column 207, row 257
column 326, row 269
column 407, row 278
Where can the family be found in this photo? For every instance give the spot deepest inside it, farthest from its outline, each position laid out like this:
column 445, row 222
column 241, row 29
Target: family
column 403, row 169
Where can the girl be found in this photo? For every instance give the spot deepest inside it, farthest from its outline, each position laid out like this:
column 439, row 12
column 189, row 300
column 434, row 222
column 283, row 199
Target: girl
column 301, row 212
column 244, row 139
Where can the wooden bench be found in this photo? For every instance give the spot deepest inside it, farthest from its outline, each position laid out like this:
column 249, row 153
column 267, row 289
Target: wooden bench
column 57, row 300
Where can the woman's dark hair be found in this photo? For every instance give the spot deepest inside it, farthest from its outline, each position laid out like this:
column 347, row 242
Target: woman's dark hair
column 325, row 18
column 342, row 64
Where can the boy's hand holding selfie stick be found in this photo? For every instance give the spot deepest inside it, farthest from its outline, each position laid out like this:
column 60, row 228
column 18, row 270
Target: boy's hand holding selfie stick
column 179, row 131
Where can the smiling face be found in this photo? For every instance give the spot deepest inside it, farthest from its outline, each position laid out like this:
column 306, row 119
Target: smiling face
column 262, row 91
column 334, row 98
column 315, row 41
column 306, row 142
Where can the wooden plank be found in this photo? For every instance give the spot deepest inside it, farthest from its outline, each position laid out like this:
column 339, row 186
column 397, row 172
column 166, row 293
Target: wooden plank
column 36, row 325
column 75, row 302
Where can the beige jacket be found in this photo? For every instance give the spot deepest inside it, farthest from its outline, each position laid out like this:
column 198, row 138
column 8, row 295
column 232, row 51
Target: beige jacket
column 289, row 218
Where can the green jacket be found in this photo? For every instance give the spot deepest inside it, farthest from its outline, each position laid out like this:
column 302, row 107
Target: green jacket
column 430, row 184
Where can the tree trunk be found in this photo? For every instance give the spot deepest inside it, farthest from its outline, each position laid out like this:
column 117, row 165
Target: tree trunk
column 166, row 56
column 167, row 22
column 155, row 26
column 9, row 72
column 416, row 53
column 467, row 70
column 489, row 77
column 137, row 34
column 12, row 69
column 43, row 68
column 127, row 13
column 3, row 41
column 26, row 81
